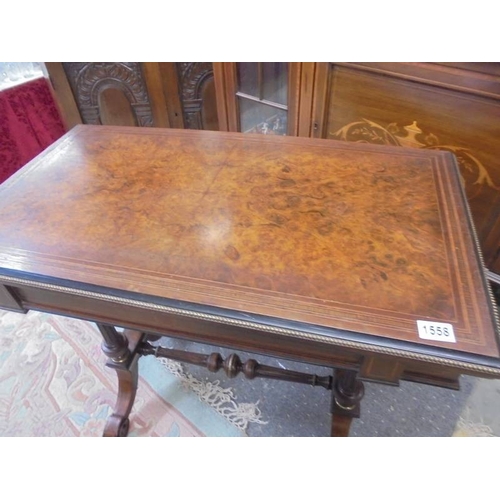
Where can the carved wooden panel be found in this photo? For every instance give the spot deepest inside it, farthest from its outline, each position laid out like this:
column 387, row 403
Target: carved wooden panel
column 197, row 89
column 377, row 106
column 110, row 93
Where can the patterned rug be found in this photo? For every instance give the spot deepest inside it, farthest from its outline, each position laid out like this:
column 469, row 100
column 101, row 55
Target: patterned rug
column 53, row 382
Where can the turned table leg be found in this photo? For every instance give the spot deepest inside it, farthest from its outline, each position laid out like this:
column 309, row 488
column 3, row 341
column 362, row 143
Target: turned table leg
column 347, row 393
column 121, row 350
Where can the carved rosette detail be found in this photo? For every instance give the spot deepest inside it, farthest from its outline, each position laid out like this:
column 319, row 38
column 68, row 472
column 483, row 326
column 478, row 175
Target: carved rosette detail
column 88, row 79
column 192, row 78
column 474, row 174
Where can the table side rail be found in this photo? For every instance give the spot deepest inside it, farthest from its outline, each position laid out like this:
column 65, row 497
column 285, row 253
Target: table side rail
column 379, row 365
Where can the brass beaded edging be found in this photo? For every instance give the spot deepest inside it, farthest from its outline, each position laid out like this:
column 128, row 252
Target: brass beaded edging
column 496, row 319
column 255, row 326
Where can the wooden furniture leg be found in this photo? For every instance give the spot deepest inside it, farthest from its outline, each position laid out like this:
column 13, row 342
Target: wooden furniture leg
column 347, row 393
column 121, row 350
column 117, row 424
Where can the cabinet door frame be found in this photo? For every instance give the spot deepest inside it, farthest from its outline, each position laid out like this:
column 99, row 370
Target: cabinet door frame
column 300, row 93
column 63, row 95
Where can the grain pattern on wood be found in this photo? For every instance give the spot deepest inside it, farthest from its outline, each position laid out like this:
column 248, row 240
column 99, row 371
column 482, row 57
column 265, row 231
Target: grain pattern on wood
column 355, row 237
column 115, row 109
column 171, row 90
column 429, row 106
column 63, row 94
column 156, row 93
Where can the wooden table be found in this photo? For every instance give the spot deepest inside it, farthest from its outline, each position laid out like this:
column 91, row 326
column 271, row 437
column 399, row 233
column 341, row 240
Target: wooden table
column 360, row 258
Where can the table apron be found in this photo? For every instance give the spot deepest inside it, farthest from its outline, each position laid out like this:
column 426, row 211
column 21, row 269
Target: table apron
column 376, row 367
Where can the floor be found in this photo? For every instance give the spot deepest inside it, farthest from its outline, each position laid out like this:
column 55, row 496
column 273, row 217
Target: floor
column 290, row 409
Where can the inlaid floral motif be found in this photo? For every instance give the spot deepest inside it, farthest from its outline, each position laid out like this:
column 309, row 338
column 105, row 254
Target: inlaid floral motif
column 474, row 174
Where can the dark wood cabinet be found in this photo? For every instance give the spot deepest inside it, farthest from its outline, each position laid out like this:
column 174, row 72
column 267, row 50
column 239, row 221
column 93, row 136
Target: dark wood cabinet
column 151, row 94
column 449, row 106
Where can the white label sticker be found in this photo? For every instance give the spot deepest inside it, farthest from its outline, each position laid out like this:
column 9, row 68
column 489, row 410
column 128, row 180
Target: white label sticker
column 431, row 330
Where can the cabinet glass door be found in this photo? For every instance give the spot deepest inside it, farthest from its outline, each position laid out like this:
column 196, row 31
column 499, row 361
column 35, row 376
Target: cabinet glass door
column 262, row 92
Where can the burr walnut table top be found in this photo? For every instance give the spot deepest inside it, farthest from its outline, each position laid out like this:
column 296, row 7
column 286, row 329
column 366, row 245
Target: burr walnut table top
column 357, row 238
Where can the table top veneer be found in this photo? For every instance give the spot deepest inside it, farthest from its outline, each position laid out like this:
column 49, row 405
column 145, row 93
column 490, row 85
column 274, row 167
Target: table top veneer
column 355, row 237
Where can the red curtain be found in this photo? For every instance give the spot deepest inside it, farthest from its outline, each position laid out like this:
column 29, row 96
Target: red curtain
column 29, row 122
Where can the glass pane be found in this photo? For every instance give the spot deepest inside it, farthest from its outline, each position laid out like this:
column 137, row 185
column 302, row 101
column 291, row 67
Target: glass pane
column 248, row 78
column 275, row 76
column 259, row 118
